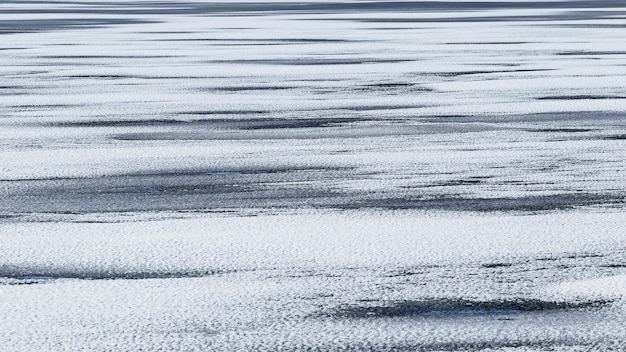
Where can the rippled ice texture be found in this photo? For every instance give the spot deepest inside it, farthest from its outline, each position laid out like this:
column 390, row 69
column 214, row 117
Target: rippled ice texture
column 324, row 176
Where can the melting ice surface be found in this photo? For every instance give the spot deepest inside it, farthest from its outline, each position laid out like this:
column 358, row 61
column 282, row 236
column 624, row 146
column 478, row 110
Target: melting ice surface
column 323, row 176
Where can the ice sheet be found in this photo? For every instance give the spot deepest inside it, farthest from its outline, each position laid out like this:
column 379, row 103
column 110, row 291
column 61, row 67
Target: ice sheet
column 354, row 175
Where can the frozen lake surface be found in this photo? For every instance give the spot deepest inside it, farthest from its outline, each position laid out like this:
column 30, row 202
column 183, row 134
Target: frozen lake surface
column 321, row 176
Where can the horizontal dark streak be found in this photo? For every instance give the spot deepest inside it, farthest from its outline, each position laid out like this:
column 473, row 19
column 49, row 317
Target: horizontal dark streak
column 544, row 19
column 310, row 61
column 483, row 72
column 220, row 8
column 247, row 88
column 616, row 137
column 257, row 41
column 33, row 276
column 592, row 53
column 263, row 188
column 498, row 204
column 452, row 307
column 218, row 123
column 561, row 130
column 487, row 43
column 105, row 57
column 225, row 112
column 43, row 25
column 580, row 97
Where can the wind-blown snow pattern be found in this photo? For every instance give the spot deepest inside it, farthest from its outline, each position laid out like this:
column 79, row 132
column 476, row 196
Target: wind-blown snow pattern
column 312, row 176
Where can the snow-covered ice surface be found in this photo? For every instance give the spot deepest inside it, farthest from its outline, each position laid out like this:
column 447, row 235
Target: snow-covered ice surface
column 321, row 175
